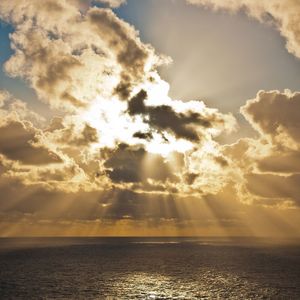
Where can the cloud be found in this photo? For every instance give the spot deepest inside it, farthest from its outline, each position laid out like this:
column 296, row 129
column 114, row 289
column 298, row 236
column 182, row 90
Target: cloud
column 9, row 105
column 143, row 135
column 275, row 114
column 165, row 118
column 71, row 134
column 184, row 124
column 269, row 170
column 131, row 164
column 130, row 53
column 270, row 187
column 19, row 141
column 112, row 3
column 70, row 57
column 4, row 96
column 281, row 162
column 283, row 13
column 121, row 148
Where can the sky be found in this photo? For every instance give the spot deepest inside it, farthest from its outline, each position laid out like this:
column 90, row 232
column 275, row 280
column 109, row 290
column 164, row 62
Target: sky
column 150, row 118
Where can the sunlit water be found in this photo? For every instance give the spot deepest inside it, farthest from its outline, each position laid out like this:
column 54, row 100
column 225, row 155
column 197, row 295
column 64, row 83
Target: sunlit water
column 100, row 268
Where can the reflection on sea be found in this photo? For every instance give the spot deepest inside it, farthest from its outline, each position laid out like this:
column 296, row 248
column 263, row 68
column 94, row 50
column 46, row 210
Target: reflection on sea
column 165, row 268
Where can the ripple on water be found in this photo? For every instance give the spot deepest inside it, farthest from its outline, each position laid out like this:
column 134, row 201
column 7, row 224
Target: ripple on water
column 149, row 271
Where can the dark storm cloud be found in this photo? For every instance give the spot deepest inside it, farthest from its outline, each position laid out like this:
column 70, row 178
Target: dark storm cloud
column 123, row 89
column 16, row 143
column 127, row 164
column 143, row 135
column 136, row 104
column 165, row 118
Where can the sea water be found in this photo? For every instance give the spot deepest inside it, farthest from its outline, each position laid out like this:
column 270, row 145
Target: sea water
column 148, row 268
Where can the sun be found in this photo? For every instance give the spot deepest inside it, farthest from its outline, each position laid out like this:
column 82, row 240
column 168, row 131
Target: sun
column 114, row 125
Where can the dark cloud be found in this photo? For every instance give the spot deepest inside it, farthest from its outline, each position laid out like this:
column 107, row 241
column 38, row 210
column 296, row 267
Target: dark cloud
column 221, row 160
column 190, row 178
column 123, row 89
column 17, row 143
column 125, row 164
column 143, row 135
column 128, row 164
column 136, row 105
column 163, row 117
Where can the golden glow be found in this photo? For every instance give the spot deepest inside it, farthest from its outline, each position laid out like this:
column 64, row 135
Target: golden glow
column 114, row 126
column 157, row 169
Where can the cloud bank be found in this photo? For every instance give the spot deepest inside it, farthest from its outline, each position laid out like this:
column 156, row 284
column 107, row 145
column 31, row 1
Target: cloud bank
column 122, row 149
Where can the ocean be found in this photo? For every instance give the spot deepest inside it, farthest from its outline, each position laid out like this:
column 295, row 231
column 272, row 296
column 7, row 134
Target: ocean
column 148, row 268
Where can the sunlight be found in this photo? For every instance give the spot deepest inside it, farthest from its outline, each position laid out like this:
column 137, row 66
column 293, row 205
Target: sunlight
column 109, row 117
column 115, row 126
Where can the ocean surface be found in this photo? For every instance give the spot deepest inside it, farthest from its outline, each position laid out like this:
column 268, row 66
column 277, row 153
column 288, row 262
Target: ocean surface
column 148, row 268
